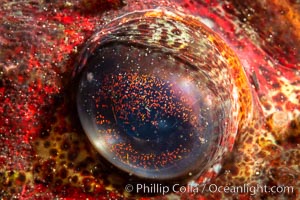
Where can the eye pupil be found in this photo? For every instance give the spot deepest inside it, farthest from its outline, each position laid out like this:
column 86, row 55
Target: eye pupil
column 145, row 109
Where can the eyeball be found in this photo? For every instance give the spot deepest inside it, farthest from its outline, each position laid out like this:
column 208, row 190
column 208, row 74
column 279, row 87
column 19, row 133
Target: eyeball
column 160, row 95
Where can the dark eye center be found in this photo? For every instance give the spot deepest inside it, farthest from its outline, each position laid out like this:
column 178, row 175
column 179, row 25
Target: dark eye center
column 146, row 112
column 158, row 103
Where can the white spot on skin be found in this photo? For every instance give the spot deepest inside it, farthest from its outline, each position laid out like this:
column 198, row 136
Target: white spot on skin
column 217, row 168
column 208, row 22
column 10, row 67
column 193, row 184
column 245, row 64
column 90, row 76
column 208, row 100
column 235, row 94
column 202, row 140
column 280, row 119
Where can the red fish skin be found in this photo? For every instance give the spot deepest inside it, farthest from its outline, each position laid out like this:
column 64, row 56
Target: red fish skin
column 39, row 44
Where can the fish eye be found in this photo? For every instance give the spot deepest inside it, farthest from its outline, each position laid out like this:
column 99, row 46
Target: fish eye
column 159, row 95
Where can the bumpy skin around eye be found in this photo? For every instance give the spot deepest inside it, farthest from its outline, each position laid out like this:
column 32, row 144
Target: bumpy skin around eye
column 160, row 95
column 44, row 153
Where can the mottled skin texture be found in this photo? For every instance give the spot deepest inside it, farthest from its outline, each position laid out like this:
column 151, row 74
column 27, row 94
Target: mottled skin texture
column 44, row 152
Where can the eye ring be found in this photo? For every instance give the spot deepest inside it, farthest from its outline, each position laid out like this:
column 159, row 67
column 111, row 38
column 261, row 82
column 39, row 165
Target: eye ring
column 183, row 123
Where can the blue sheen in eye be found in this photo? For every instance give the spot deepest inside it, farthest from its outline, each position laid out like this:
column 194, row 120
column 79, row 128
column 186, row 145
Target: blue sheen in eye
column 157, row 95
column 146, row 113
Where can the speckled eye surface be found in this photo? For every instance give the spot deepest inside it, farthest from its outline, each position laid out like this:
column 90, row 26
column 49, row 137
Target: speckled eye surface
column 158, row 97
